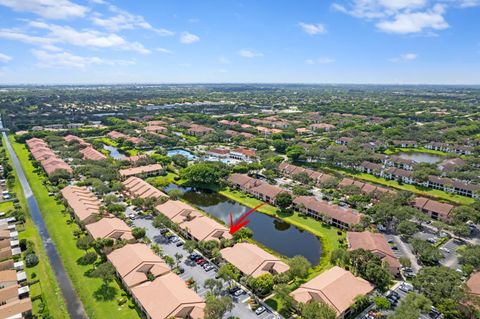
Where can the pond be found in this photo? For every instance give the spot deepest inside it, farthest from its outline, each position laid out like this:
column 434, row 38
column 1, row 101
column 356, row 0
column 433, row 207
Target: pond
column 420, row 157
column 114, row 152
column 274, row 233
column 189, row 155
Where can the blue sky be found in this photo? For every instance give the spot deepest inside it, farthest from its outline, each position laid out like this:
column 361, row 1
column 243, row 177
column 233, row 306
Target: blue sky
column 306, row 41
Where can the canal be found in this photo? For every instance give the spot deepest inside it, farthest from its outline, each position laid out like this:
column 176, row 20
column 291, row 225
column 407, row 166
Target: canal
column 114, row 152
column 74, row 305
column 272, row 232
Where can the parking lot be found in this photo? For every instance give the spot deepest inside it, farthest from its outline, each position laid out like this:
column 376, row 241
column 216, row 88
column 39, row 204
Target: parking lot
column 448, row 250
column 192, row 270
column 402, row 249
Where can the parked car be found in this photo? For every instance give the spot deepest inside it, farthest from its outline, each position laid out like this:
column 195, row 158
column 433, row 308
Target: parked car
column 239, row 292
column 233, row 289
column 180, row 243
column 174, row 239
column 200, row 261
column 445, row 250
column 260, row 310
column 406, row 287
column 209, row 268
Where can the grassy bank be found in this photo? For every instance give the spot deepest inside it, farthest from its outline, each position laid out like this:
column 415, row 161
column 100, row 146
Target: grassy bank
column 417, row 150
column 47, row 285
column 61, row 230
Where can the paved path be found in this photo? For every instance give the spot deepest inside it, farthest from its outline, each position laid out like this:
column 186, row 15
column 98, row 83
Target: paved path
column 74, row 305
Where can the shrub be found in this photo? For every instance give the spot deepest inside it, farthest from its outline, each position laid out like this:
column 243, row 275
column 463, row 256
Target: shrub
column 31, row 260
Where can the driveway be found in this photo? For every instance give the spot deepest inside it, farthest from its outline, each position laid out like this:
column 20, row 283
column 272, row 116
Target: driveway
column 404, row 250
column 449, row 251
column 241, row 307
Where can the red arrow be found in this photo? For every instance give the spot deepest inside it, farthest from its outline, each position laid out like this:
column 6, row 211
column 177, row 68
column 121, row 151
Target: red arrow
column 239, row 223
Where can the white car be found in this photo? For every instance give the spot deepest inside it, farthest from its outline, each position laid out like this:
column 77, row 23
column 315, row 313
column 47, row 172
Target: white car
column 445, row 250
column 406, row 287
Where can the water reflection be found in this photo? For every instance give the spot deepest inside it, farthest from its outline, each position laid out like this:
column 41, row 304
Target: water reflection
column 274, row 233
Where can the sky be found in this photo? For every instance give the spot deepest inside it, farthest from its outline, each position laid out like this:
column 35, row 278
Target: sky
column 241, row 41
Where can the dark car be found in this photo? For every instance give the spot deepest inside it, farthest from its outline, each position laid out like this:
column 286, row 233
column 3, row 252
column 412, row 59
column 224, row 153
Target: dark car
column 180, row 243
column 233, row 289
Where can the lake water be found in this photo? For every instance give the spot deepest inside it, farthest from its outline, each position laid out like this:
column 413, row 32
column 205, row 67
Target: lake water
column 114, row 152
column 421, row 157
column 189, row 155
column 274, row 233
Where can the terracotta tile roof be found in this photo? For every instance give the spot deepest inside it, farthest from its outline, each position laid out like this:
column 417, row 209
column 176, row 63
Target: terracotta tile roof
column 70, row 138
column 336, row 287
column 82, row 201
column 177, row 300
column 110, row 228
column 89, row 153
column 48, row 159
column 252, row 260
column 345, row 215
column 442, row 209
column 188, row 218
column 134, row 261
column 137, row 187
column 141, row 170
column 14, row 308
column 473, row 284
column 374, row 242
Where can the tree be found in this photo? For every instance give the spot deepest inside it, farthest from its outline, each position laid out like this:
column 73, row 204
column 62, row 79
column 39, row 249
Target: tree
column 295, row 152
column 340, row 257
column 283, row 200
column 407, row 228
column 378, row 275
column 412, row 306
column 175, row 194
column 262, row 285
column 88, row 259
column 178, row 258
column 169, row 260
column 104, row 271
column 214, row 286
column 84, row 243
column 204, row 174
column 316, row 310
column 31, row 260
column 180, row 160
column 439, row 283
column 381, row 303
column 243, row 233
column 405, row 262
column 427, row 253
column 282, row 291
column 190, row 246
column 299, row 267
column 470, row 255
column 280, row 146
column 228, row 272
column 216, row 307
column 138, row 232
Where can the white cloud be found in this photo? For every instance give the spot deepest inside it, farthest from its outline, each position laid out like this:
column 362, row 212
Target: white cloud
column 49, row 9
column 223, row 60
column 404, row 57
column 163, row 50
column 5, row 58
column 68, row 60
column 469, row 3
column 17, row 35
column 247, row 53
column 188, row 38
column 124, row 20
column 415, row 22
column 322, row 60
column 86, row 38
column 312, row 28
column 400, row 16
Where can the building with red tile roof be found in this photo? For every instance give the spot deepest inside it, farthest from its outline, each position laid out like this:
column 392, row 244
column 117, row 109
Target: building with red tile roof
column 137, row 188
column 110, row 227
column 85, row 205
column 142, row 171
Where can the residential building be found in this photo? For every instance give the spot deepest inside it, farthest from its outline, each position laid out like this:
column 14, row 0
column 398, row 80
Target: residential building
column 85, row 205
column 89, row 153
column 195, row 225
column 168, row 297
column 199, row 130
column 336, row 287
column 253, row 261
column 321, row 127
column 137, row 187
column 433, row 208
column 344, row 140
column 142, row 171
column 377, row 244
column 335, row 215
column 134, row 263
column 110, row 227
column 243, row 154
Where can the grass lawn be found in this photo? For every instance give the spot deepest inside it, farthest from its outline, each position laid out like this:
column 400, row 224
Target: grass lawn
column 417, row 150
column 6, row 206
column 327, row 234
column 162, row 181
column 47, row 285
column 62, row 234
column 419, row 190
